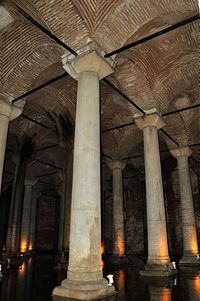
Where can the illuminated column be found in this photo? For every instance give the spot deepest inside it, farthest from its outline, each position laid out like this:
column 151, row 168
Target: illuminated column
column 158, row 258
column 35, row 197
column 84, row 277
column 8, row 112
column 190, row 245
column 26, row 215
column 118, row 211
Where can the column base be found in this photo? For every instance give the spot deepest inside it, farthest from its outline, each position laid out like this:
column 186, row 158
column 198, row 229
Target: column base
column 158, row 270
column 189, row 260
column 84, row 290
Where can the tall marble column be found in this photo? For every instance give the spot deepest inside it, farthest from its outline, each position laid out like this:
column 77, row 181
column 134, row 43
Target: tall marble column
column 158, row 263
column 8, row 112
column 26, row 216
column 84, row 277
column 35, row 197
column 118, row 211
column 190, row 244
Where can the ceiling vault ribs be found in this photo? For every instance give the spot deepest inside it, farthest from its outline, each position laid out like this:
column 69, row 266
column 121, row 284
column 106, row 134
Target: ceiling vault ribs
column 183, row 109
column 157, row 58
column 53, row 80
column 154, row 35
column 44, row 30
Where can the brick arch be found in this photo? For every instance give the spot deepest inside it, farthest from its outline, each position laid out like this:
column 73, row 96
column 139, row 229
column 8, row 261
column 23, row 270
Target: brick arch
column 20, row 78
column 135, row 19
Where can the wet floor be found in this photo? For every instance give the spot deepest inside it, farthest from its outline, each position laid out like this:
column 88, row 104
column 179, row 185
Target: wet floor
column 35, row 280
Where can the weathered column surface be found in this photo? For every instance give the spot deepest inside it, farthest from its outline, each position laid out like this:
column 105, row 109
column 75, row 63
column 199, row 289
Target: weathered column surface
column 26, row 216
column 84, row 277
column 8, row 112
column 190, row 245
column 118, row 210
column 158, row 263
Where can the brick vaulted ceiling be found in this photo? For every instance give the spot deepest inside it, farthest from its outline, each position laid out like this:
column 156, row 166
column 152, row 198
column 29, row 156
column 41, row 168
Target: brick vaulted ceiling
column 163, row 72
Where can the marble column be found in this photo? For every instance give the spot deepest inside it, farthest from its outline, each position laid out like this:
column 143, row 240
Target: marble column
column 118, row 210
column 26, row 216
column 84, row 277
column 35, row 197
column 8, row 112
column 158, row 263
column 190, row 244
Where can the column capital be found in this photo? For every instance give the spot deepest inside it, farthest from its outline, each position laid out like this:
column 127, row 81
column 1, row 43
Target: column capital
column 30, row 182
column 116, row 164
column 10, row 110
column 90, row 58
column 152, row 119
column 184, row 151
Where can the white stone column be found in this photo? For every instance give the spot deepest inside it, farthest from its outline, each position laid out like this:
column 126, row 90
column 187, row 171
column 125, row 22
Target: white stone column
column 84, row 277
column 8, row 112
column 26, row 216
column 158, row 263
column 190, row 244
column 118, row 211
column 35, row 197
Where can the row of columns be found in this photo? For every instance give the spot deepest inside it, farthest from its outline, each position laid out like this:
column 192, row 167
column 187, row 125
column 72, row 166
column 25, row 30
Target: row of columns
column 84, row 277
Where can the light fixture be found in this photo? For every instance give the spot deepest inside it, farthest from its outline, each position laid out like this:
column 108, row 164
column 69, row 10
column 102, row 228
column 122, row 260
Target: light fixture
column 174, row 265
column 110, row 278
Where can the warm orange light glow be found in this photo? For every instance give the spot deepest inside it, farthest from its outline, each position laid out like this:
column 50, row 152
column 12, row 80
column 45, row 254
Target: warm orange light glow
column 119, row 243
column 121, row 282
column 102, row 248
column 102, row 264
column 23, row 246
column 30, row 247
column 166, row 294
column 193, row 243
column 196, row 282
column 22, row 269
column 162, row 251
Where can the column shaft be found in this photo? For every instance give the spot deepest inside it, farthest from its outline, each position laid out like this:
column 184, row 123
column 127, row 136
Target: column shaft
column 4, row 121
column 84, row 277
column 158, row 263
column 33, row 224
column 118, row 213
column 156, row 223
column 26, row 217
column 190, row 246
column 84, row 255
